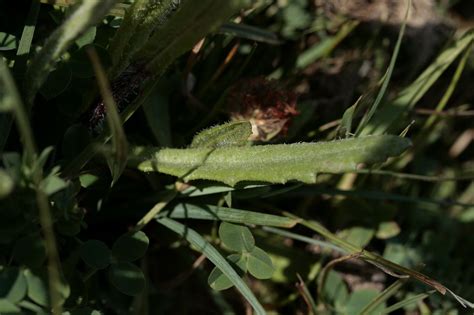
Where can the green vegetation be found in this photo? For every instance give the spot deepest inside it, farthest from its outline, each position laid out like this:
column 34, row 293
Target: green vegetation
column 222, row 157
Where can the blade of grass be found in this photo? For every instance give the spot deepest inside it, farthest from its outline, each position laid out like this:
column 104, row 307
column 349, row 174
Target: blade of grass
column 24, row 47
column 449, row 91
column 420, row 140
column 377, row 260
column 250, row 32
column 119, row 140
column 215, row 257
column 325, row 47
column 10, row 101
column 407, row 302
column 305, row 239
column 389, row 114
column 386, row 78
column 85, row 15
column 210, row 212
column 382, row 297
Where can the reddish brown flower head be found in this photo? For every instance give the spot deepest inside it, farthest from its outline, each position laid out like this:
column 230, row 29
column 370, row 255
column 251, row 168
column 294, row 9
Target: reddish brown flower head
column 267, row 104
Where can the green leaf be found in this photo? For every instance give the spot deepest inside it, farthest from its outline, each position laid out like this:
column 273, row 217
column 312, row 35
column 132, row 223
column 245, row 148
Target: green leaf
column 407, row 302
column 269, row 163
column 12, row 285
column 379, row 301
column 359, row 299
column 87, row 37
column 211, row 212
column 83, row 16
column 6, row 184
column 7, row 307
column 335, row 290
column 359, row 236
column 87, row 180
column 8, row 42
column 130, row 246
column 95, row 254
column 225, row 135
column 216, row 258
column 127, row 278
column 260, row 264
column 52, row 184
column 37, row 288
column 219, row 281
column 30, row 250
column 236, row 237
column 387, row 230
column 347, row 118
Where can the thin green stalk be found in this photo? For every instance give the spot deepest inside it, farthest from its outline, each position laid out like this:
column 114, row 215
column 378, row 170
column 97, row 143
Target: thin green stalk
column 387, row 76
column 46, row 221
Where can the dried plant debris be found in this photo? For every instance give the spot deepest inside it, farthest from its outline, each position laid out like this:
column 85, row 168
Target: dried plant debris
column 267, row 104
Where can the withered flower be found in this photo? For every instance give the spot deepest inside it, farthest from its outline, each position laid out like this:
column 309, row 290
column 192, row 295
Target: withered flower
column 267, row 104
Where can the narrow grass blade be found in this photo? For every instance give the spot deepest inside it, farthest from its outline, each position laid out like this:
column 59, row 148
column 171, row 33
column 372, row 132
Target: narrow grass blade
column 391, row 113
column 24, row 47
column 407, row 302
column 387, row 76
column 305, row 239
column 382, row 297
column 385, row 265
column 269, row 163
column 119, row 140
column 250, row 32
column 216, row 258
column 85, row 15
column 210, row 212
column 324, row 48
